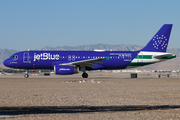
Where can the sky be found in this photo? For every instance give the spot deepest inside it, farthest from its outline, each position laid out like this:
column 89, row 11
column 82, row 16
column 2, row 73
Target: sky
column 33, row 24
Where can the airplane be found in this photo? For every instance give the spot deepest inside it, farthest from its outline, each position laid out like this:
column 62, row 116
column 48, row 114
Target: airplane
column 71, row 62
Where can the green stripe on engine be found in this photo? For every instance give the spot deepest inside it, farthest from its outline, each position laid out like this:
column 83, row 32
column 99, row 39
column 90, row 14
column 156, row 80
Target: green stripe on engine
column 143, row 57
column 139, row 63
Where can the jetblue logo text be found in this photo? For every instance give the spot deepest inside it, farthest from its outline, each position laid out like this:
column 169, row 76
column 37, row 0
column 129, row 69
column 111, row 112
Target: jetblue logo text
column 46, row 56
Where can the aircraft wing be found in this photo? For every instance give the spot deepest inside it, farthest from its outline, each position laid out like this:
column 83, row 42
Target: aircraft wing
column 165, row 56
column 86, row 63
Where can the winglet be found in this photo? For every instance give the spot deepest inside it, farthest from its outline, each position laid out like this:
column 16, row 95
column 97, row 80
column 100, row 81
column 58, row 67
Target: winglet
column 107, row 58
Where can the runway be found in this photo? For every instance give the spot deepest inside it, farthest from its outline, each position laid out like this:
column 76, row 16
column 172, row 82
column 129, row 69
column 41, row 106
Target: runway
column 98, row 97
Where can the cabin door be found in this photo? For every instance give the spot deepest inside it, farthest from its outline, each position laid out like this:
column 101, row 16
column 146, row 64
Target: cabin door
column 26, row 57
column 140, row 58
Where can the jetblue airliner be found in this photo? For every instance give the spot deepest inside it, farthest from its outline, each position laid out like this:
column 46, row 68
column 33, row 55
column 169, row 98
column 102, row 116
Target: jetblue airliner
column 71, row 62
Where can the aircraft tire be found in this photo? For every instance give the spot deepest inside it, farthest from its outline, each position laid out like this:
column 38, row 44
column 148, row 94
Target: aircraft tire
column 85, row 75
column 26, row 75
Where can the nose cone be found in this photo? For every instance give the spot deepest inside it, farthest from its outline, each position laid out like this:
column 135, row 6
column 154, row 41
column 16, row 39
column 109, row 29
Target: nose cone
column 6, row 63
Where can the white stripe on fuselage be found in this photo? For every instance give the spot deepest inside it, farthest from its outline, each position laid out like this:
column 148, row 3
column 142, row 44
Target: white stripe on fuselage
column 152, row 60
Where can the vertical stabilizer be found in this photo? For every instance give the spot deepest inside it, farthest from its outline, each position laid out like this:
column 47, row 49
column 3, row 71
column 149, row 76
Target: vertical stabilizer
column 160, row 40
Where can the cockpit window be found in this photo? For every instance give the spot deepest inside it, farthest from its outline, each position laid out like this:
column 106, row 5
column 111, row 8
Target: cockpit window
column 14, row 56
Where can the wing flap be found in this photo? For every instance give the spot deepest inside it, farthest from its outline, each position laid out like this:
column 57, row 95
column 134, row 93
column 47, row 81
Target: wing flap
column 87, row 63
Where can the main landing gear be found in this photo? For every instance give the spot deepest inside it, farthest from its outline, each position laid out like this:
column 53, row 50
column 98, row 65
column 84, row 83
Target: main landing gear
column 85, row 75
column 26, row 75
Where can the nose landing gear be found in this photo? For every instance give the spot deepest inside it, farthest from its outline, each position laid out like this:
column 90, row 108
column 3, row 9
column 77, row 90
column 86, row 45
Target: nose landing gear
column 26, row 75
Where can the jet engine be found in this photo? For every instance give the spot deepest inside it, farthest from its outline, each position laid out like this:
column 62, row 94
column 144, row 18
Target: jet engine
column 65, row 69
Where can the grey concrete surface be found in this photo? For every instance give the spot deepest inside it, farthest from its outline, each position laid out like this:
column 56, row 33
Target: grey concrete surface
column 101, row 96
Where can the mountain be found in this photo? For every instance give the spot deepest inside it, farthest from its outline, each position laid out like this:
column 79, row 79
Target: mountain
column 6, row 53
column 173, row 64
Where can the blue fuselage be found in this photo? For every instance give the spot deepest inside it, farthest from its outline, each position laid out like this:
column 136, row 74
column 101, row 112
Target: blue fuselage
column 47, row 59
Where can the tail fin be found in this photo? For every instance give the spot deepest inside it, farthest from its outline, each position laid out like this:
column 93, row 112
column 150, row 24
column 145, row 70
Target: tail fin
column 160, row 40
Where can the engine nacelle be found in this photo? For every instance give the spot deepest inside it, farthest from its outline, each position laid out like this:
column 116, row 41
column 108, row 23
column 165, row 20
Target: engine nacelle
column 65, row 69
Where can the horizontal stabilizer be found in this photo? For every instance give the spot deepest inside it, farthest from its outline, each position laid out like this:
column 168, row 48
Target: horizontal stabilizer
column 165, row 56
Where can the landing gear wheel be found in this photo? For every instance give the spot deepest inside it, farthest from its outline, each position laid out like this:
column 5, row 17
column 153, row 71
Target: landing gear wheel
column 85, row 75
column 26, row 75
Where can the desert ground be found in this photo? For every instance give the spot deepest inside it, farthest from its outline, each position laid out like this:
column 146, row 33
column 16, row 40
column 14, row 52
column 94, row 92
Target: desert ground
column 101, row 96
